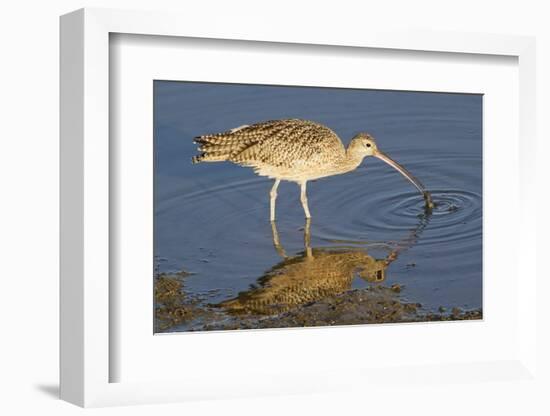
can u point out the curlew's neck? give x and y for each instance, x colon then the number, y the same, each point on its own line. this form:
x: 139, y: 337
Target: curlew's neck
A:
x: 350, y: 161
x: 342, y: 162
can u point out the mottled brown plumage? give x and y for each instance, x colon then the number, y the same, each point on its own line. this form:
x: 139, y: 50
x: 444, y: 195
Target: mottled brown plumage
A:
x: 292, y: 150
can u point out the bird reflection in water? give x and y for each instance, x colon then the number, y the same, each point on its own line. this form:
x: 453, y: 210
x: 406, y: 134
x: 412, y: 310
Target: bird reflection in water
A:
x: 313, y: 275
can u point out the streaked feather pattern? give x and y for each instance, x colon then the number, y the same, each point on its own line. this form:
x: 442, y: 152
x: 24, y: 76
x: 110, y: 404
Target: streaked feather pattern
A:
x: 290, y: 149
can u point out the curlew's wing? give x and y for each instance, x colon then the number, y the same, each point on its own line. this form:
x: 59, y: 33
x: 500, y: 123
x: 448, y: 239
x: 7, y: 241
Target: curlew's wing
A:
x: 287, y: 144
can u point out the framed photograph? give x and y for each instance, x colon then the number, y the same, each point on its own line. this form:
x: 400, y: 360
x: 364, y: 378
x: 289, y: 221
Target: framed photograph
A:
x: 230, y: 254
x: 236, y: 209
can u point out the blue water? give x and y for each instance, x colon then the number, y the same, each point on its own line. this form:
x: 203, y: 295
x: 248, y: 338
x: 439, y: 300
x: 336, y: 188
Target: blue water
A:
x: 212, y: 219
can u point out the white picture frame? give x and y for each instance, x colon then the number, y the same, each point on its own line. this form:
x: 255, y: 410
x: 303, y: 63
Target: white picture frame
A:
x: 86, y: 355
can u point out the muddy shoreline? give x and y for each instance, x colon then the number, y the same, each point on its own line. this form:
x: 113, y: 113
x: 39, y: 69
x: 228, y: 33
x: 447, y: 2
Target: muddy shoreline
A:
x: 177, y: 311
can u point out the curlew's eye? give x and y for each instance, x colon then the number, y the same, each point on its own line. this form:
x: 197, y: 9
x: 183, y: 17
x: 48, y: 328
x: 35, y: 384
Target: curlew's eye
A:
x: 368, y: 144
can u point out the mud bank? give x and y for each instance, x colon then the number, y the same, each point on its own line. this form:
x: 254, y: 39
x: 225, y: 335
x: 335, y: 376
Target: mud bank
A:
x: 175, y: 311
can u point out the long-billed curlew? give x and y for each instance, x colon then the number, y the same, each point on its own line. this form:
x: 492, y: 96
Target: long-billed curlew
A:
x: 294, y: 150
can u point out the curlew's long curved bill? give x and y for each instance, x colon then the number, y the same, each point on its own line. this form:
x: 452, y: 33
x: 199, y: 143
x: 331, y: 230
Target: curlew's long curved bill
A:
x: 382, y: 156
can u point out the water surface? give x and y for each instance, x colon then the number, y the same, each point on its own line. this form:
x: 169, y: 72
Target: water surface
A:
x: 212, y: 219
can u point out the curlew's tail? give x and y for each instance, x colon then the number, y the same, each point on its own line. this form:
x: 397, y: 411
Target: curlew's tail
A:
x: 197, y: 159
x: 206, y: 157
x: 209, y: 151
x: 221, y: 147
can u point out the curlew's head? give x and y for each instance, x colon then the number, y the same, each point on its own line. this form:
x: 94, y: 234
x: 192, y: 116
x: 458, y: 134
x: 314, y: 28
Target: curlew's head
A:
x: 363, y: 145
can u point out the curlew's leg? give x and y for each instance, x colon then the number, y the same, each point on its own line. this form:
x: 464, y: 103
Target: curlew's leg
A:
x: 303, y: 198
x: 273, y: 198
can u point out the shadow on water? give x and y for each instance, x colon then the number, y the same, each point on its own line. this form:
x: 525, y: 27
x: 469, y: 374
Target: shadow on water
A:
x: 314, y: 274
